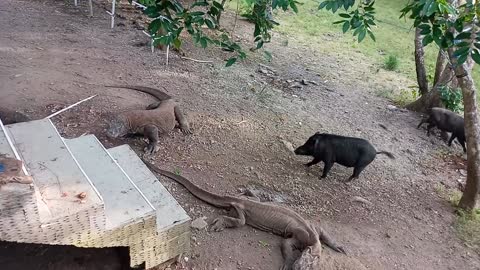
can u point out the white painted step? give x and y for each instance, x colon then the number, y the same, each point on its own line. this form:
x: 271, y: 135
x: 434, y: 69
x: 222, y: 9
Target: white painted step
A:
x: 169, y: 211
x: 124, y: 202
x: 57, y: 176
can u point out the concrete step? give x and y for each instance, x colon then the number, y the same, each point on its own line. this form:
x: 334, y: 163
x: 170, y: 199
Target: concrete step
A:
x: 17, y: 201
x: 58, y: 179
x: 124, y: 202
x: 172, y: 236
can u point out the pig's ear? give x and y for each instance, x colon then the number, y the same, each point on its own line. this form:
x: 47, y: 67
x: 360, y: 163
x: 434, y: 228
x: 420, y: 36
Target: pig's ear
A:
x: 317, y: 133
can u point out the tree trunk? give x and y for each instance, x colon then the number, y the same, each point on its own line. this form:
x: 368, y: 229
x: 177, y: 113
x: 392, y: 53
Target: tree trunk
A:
x: 420, y: 63
x: 472, y: 133
x: 432, y: 97
x: 440, y: 66
x: 220, y: 14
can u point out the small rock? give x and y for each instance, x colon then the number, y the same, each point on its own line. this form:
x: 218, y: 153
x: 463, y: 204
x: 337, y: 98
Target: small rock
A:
x: 361, y: 200
x: 288, y: 145
x: 304, y: 82
x: 462, y: 172
x: 296, y: 85
x: 199, y: 224
x: 82, y: 195
x: 391, y: 107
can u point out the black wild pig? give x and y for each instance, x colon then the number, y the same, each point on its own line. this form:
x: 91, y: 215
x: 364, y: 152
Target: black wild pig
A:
x: 447, y: 121
x: 346, y: 151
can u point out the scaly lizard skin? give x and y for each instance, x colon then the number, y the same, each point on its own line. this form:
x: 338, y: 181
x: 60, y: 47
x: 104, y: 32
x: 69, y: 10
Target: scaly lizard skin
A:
x: 299, y: 233
x: 158, y: 118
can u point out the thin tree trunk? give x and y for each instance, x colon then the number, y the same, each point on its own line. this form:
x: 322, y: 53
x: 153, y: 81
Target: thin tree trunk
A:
x: 440, y: 66
x: 220, y: 14
x: 432, y: 98
x: 472, y: 133
x: 420, y: 63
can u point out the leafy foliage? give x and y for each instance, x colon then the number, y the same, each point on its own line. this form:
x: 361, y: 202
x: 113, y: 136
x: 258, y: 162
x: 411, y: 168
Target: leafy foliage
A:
x: 442, y: 23
x: 391, y: 63
x: 359, y: 20
x: 447, y: 26
x: 171, y: 18
x: 451, y: 98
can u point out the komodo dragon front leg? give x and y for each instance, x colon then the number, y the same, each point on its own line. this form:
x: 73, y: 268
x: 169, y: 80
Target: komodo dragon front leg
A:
x: 223, y: 222
x: 150, y: 132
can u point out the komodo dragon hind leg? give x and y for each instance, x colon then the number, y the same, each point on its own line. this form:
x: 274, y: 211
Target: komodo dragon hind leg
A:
x: 151, y: 133
x: 223, y: 222
x: 182, y: 121
x: 325, y: 238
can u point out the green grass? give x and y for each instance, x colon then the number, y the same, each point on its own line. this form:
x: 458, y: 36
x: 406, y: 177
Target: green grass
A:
x: 391, y: 63
x: 467, y: 225
x: 394, y: 36
x: 468, y: 229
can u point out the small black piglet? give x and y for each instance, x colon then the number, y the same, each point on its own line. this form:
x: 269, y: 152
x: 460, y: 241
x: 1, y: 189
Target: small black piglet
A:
x: 346, y: 151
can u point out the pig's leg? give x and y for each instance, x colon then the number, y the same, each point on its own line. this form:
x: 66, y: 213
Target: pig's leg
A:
x: 326, y: 168
x: 429, y: 126
x: 356, y: 172
x: 451, y: 139
x: 313, y: 162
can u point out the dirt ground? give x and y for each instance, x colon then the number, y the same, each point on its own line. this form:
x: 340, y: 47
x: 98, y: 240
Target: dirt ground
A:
x: 52, y: 55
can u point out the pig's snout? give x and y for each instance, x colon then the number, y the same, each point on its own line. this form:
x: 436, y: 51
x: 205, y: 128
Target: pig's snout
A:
x: 302, y: 150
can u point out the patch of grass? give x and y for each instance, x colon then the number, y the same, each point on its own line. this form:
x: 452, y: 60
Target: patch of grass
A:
x: 391, y: 63
x: 451, y: 195
x: 467, y: 225
x: 468, y: 228
x: 401, y: 98
x: 314, y: 28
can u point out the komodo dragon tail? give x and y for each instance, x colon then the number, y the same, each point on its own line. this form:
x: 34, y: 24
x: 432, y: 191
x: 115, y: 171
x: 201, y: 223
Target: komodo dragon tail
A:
x: 388, y: 154
x: 160, y: 95
x: 208, y: 197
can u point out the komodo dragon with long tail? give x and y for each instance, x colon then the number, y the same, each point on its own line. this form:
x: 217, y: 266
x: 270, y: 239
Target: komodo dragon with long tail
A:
x: 159, y: 118
x: 299, y: 233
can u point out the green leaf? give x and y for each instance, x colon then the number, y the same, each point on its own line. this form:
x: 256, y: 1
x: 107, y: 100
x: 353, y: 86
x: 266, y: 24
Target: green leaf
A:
x: 344, y: 15
x: 337, y: 22
x: 197, y: 13
x: 209, y: 22
x: 461, y: 51
x: 231, y: 61
x: 154, y: 26
x: 372, y: 36
x: 293, y: 6
x: 203, y: 42
x: 346, y: 26
x: 151, y: 12
x: 361, y: 36
x: 217, y: 5
x: 199, y: 4
x: 323, y: 4
x: 462, y: 59
x: 463, y: 35
x: 177, y: 43
x: 427, y: 40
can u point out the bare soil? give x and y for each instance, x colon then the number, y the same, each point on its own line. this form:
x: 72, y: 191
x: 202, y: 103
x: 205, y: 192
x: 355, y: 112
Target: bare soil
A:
x: 52, y: 55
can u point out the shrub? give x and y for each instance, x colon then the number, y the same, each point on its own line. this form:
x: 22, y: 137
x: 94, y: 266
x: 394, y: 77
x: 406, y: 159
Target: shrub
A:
x: 391, y: 63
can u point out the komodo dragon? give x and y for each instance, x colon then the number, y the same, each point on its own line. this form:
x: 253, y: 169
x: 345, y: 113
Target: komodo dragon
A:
x: 159, y: 118
x: 279, y: 220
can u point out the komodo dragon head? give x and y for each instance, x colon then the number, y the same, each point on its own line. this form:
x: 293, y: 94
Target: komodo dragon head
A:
x: 117, y: 128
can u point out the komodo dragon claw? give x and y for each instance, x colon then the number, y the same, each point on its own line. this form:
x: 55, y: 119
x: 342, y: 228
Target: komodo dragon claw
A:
x: 217, y: 225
